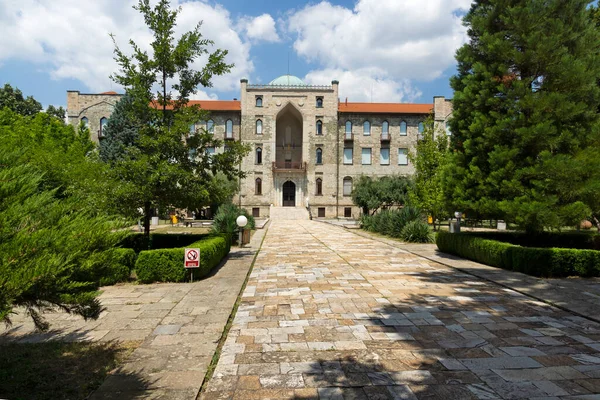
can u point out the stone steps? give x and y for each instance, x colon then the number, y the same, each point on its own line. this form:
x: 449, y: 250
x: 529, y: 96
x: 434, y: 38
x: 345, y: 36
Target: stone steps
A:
x: 288, y: 213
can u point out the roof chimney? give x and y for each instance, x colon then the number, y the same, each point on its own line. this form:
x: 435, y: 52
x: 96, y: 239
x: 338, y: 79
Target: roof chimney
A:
x: 346, y: 101
x: 234, y: 99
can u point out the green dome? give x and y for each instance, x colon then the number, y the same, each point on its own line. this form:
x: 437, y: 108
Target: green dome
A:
x: 287, y: 80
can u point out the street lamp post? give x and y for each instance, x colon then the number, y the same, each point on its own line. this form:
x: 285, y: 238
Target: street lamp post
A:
x: 241, y: 221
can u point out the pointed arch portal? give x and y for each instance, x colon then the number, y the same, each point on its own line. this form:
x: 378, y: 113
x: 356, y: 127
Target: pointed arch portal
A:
x: 289, y: 194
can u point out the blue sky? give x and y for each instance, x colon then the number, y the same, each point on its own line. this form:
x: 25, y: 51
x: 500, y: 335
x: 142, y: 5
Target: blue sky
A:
x: 379, y: 50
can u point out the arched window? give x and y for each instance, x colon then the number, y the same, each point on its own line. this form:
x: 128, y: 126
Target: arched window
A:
x: 347, y: 186
x: 259, y: 127
x: 319, y: 156
x: 103, y: 122
x: 366, y: 128
x: 258, y: 155
x: 448, y: 131
x: 319, y: 102
x: 385, y: 130
x: 258, y: 186
x: 319, y: 127
x: 210, y: 126
x: 258, y: 101
x: 319, y: 191
x: 421, y: 127
x: 229, y: 129
x: 403, y: 128
x: 348, y: 130
x: 85, y: 122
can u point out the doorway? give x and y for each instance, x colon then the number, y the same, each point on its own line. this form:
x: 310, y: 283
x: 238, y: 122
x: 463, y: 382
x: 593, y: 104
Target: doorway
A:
x: 289, y: 194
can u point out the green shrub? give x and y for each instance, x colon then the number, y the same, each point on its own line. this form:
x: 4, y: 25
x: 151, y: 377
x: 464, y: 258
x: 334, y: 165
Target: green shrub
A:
x: 166, y: 265
x: 224, y: 220
x: 391, y: 222
x: 119, y: 268
x: 417, y: 231
x: 568, y: 240
x: 544, y: 262
x: 138, y: 242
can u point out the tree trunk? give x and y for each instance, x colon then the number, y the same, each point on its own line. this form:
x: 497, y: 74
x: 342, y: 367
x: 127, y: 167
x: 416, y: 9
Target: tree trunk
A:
x: 147, y: 219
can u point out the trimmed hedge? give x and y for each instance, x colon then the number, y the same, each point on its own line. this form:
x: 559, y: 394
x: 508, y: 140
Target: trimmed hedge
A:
x: 138, y: 242
x: 565, y: 240
x: 543, y: 262
x: 166, y: 265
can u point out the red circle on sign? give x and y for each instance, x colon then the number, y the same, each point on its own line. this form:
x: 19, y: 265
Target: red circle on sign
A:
x: 192, y: 255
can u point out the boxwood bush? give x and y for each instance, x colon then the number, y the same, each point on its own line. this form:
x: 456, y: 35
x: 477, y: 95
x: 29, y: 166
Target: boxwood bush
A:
x: 166, y: 265
x: 537, y: 261
x: 139, y: 242
x: 567, y: 240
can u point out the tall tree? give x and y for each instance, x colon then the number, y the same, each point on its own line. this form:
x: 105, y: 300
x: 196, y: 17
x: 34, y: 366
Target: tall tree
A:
x: 14, y: 99
x: 372, y: 194
x: 429, y: 159
x: 168, y: 165
x: 525, y: 105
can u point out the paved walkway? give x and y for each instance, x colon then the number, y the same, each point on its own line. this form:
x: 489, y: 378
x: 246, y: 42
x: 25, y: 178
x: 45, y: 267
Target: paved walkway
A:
x: 180, y: 325
x: 578, y: 295
x: 333, y: 315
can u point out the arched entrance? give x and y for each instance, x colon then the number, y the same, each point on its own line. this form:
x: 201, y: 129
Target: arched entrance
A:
x: 288, y: 138
x: 289, y: 194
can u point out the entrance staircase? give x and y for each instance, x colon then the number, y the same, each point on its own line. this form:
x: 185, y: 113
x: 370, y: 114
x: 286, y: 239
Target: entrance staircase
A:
x: 289, y: 213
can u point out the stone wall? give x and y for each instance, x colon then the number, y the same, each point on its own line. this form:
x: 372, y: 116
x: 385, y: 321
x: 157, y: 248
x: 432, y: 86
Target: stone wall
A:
x: 94, y: 107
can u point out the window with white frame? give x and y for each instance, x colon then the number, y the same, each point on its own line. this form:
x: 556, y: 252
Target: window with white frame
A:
x: 319, y: 127
x: 347, y: 186
x: 210, y: 126
x: 348, y: 155
x: 103, y: 122
x: 259, y: 127
x: 384, y: 154
x: 348, y: 130
x: 421, y: 127
x: 366, y: 128
x: 319, y: 156
x: 403, y: 128
x: 448, y: 131
x: 229, y: 129
x: 192, y: 129
x: 258, y: 155
x: 210, y: 151
x: 402, y: 156
x: 385, y: 130
x: 366, y: 156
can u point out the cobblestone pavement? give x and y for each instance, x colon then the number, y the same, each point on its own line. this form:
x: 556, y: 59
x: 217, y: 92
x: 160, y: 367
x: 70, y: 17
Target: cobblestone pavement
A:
x: 330, y: 314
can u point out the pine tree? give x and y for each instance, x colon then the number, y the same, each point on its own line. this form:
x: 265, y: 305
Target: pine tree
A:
x: 168, y: 165
x: 525, y: 106
x: 119, y: 133
x: 430, y: 159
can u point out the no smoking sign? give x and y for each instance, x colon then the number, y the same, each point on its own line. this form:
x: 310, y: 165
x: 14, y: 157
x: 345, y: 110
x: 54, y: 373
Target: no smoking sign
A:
x: 191, y: 258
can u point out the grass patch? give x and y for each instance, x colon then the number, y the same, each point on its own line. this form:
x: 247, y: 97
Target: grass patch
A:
x: 57, y: 370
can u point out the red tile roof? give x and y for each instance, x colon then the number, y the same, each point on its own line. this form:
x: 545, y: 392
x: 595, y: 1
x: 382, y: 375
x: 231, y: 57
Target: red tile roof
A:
x: 217, y: 105
x: 111, y: 92
x: 385, y: 108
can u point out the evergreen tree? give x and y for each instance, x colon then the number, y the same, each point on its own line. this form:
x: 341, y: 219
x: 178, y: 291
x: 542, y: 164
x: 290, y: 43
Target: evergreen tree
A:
x: 525, y: 106
x: 168, y: 165
x: 429, y: 160
x: 120, y: 132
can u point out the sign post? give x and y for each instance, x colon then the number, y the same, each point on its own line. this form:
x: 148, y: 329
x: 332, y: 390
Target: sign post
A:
x: 191, y: 259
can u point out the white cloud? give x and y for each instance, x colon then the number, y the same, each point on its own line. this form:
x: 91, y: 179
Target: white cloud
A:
x: 384, y: 44
x: 261, y: 28
x: 70, y: 37
x: 367, y: 84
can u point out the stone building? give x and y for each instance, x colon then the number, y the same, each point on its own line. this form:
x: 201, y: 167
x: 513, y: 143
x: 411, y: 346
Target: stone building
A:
x: 308, y: 148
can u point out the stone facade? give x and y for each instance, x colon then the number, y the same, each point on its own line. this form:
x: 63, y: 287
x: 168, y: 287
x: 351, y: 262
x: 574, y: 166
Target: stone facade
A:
x: 290, y: 127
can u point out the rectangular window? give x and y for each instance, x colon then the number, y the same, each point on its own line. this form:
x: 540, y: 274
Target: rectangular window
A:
x: 347, y: 212
x: 348, y: 155
x: 210, y: 151
x: 256, y: 212
x: 402, y: 156
x: 366, y: 156
x: 385, y: 156
x: 321, y: 212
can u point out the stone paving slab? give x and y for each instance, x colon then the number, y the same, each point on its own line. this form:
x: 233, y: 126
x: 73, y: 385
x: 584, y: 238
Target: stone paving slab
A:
x: 328, y: 314
x: 578, y: 295
x: 180, y: 326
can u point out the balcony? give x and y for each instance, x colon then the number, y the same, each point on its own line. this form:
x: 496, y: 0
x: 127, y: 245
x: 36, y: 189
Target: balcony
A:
x: 289, y: 166
x: 385, y: 137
